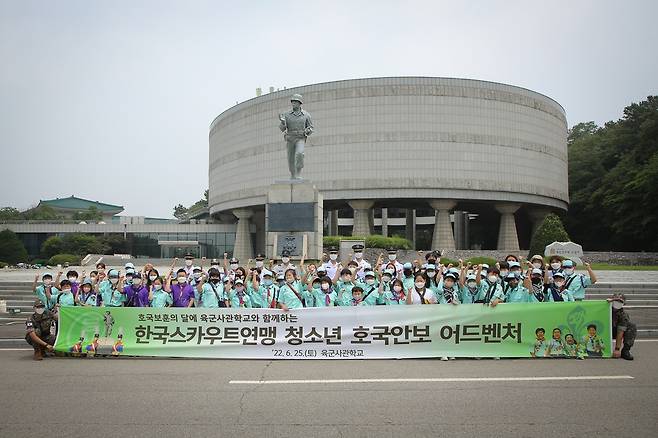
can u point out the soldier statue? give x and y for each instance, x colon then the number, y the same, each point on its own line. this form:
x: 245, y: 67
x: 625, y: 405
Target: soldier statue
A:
x: 296, y: 126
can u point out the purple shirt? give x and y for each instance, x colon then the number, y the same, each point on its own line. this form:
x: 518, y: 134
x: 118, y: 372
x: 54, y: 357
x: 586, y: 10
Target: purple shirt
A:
x: 182, y: 295
x: 136, y: 297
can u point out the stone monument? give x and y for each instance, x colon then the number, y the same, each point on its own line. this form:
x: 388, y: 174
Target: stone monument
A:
x: 294, y: 213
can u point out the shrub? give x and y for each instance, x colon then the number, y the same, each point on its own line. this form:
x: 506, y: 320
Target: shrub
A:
x: 374, y: 241
x: 62, y: 259
x: 52, y: 246
x: 3, y: 265
x: 11, y: 248
x: 551, y: 230
x: 482, y: 260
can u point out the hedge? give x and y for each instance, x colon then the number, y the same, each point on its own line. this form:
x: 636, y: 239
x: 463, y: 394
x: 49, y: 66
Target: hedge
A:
x: 373, y: 241
x: 62, y: 259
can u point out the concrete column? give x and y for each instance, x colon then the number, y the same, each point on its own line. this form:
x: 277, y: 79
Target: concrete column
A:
x: 259, y: 221
x: 410, y: 225
x: 361, y: 217
x: 508, y: 239
x: 242, y: 250
x: 385, y: 222
x: 443, y: 237
x: 537, y: 216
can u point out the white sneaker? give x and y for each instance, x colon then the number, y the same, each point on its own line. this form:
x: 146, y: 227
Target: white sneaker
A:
x: 451, y: 358
x: 444, y: 358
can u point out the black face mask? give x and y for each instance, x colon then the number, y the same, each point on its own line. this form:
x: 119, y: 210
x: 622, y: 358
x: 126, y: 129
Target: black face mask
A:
x: 407, y: 272
x: 536, y: 280
x: 214, y: 280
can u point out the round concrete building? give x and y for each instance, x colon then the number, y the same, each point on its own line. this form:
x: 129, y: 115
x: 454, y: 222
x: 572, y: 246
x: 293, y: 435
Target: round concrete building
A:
x: 449, y: 163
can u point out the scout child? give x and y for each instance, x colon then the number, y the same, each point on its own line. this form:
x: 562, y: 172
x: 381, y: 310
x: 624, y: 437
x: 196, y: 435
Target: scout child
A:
x: 577, y: 283
x: 419, y: 293
x: 238, y: 296
x: 157, y: 296
x: 540, y: 346
x: 64, y: 298
x: 555, y: 345
x: 87, y: 296
x: 46, y: 289
x: 592, y: 343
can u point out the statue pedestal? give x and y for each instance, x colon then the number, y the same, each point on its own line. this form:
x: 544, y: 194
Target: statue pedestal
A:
x: 293, y: 220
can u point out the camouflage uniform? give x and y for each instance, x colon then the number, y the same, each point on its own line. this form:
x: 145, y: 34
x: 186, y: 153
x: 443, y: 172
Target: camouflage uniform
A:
x: 45, y: 327
x: 621, y: 321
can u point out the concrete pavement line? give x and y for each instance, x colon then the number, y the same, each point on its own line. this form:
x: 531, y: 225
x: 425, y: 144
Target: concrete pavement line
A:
x: 411, y: 380
x: 16, y: 349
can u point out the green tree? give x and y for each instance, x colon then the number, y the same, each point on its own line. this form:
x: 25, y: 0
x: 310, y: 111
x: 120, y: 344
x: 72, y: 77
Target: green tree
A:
x: 551, y: 230
x: 53, y: 245
x: 42, y: 213
x: 613, y: 181
x: 10, y: 214
x: 115, y: 244
x: 180, y: 212
x: 91, y: 214
x: 83, y: 244
x: 11, y: 248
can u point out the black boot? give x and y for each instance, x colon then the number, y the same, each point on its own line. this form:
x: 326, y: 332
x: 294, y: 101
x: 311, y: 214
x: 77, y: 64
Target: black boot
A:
x: 626, y: 353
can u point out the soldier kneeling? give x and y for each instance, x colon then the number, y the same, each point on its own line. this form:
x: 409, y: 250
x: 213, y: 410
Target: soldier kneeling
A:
x: 623, y: 329
x: 41, y: 330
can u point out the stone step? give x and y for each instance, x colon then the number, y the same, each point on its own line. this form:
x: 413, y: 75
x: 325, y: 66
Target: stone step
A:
x: 625, y: 285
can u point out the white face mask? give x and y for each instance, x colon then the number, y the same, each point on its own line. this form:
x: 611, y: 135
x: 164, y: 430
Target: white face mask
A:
x: 503, y: 273
x: 182, y: 280
x: 324, y: 286
x: 568, y: 271
x: 537, y: 265
x: 420, y: 284
x: 73, y: 279
x: 239, y: 289
x: 188, y: 262
x: 39, y: 310
x: 152, y: 277
x: 397, y: 288
x: 114, y: 280
x: 137, y: 281
x: 386, y: 279
x: 333, y: 256
x: 617, y: 305
x: 358, y: 255
x: 197, y: 275
x: 66, y: 291
x: 392, y: 257
x: 285, y: 260
x: 157, y: 286
x: 471, y: 284
x: 559, y: 283
x: 370, y: 281
x: 492, y: 278
x: 47, y: 282
x: 556, y: 266
x: 234, y: 266
x: 259, y: 263
x: 431, y: 274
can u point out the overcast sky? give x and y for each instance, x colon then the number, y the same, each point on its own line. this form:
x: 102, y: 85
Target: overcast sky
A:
x: 112, y: 100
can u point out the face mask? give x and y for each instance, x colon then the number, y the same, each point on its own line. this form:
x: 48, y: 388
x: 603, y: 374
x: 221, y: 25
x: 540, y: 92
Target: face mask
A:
x: 420, y: 284
x: 358, y: 255
x: 333, y: 256
x: 556, y: 266
x: 66, y: 291
x: 536, y: 280
x: 259, y: 264
x: 214, y: 280
x: 196, y: 275
x: 352, y: 270
x: 152, y: 277
x: 285, y: 260
x: 325, y: 286
x: 188, y: 262
x: 47, y: 282
x: 114, y: 280
x: 431, y: 274
x: 407, y: 272
x: 281, y: 282
x: 316, y: 286
x: 93, y: 278
x: 39, y: 310
x: 386, y: 279
x: 346, y: 279
x: 392, y: 257
x: 568, y: 271
x: 73, y: 279
x: 182, y: 279
x: 503, y: 273
x: 129, y: 280
x: 617, y: 305
x: 471, y: 284
x: 239, y: 289
x: 537, y: 265
x: 157, y: 286
x: 370, y: 281
x: 137, y: 281
x: 267, y: 282
x: 397, y: 288
x: 492, y: 278
x: 234, y: 266
x: 559, y: 283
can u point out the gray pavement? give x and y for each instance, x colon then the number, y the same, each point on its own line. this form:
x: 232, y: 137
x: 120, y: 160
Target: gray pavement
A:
x: 167, y: 397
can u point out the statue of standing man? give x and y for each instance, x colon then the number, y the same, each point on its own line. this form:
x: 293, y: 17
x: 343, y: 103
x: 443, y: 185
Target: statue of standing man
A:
x: 296, y: 126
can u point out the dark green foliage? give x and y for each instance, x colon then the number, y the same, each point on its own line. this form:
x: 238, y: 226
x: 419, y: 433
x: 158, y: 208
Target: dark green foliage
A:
x: 551, y: 230
x: 12, y: 250
x: 63, y: 259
